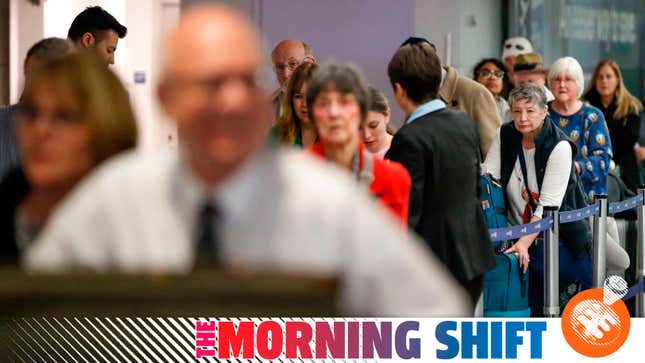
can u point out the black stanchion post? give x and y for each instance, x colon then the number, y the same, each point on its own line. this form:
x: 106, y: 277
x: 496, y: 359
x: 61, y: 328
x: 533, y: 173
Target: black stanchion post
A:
x: 551, y: 265
x: 600, y: 243
x: 640, y: 253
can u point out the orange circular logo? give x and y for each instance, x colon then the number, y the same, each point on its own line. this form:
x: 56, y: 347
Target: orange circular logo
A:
x: 595, y: 323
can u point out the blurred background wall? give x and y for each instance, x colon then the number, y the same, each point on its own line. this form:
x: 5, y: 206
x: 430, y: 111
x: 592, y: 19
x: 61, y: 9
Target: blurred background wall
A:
x: 365, y: 32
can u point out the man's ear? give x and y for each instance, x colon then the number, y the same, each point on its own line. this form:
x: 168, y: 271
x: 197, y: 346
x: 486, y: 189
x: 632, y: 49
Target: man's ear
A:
x: 87, y: 40
x: 310, y: 59
x: 399, y: 92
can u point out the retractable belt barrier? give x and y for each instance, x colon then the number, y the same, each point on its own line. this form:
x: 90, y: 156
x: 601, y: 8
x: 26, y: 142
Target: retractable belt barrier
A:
x: 599, y: 217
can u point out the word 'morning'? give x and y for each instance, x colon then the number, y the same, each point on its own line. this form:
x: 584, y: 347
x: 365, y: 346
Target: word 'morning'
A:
x: 293, y: 340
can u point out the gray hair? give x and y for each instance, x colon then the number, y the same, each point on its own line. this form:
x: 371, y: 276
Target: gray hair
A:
x: 531, y: 93
x: 309, y: 51
x: 344, y: 78
x: 570, y: 66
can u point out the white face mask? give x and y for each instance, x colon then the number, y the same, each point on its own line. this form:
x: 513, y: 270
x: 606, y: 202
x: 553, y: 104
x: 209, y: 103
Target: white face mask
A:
x: 516, y: 46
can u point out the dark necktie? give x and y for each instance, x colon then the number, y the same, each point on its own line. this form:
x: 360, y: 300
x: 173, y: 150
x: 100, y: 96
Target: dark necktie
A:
x: 207, y: 253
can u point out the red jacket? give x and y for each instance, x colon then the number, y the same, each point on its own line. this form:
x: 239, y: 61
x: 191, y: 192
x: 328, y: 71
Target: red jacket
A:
x: 391, y: 182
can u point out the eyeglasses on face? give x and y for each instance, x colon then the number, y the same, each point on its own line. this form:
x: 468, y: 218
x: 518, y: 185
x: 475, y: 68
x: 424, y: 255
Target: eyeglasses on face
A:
x: 29, y: 114
x: 486, y: 73
x: 291, y: 65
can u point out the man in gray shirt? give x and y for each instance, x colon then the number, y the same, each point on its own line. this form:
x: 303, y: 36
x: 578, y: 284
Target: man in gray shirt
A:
x: 227, y: 199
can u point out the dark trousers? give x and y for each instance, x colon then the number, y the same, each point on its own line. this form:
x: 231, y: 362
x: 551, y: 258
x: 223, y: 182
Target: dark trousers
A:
x: 576, y: 273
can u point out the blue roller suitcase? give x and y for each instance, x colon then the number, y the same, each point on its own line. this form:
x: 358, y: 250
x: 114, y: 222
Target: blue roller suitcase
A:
x: 505, y: 286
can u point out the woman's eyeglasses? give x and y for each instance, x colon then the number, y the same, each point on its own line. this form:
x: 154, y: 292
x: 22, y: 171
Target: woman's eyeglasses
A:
x: 486, y: 73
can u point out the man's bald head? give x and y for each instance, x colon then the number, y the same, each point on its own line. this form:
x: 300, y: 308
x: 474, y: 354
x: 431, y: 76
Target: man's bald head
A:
x: 209, y: 88
x: 287, y: 55
x: 201, y: 35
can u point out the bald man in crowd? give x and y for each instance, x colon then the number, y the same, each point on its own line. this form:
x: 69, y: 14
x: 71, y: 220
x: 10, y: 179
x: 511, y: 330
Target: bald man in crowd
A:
x: 286, y: 56
x: 227, y: 200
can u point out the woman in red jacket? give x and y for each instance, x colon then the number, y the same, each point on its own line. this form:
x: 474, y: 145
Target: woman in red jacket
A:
x: 338, y: 98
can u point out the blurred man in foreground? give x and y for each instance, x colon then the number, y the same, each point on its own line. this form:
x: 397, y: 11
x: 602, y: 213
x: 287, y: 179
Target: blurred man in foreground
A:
x: 227, y: 201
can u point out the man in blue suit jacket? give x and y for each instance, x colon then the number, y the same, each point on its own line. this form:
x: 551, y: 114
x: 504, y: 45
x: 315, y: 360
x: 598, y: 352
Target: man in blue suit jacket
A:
x: 440, y: 149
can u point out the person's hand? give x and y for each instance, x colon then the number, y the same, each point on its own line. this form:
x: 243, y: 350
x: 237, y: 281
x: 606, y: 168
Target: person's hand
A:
x: 640, y: 153
x: 525, y: 194
x: 521, y: 250
x: 578, y: 168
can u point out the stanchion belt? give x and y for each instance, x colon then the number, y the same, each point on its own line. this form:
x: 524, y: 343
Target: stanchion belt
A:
x: 502, y: 234
x: 579, y: 214
x: 617, y: 207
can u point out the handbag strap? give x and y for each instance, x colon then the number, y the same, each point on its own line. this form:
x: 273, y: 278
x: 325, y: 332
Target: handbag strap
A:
x: 365, y: 172
x: 520, y: 154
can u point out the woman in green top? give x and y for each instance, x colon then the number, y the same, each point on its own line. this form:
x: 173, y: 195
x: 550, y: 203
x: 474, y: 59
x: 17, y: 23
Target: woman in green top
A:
x: 294, y: 126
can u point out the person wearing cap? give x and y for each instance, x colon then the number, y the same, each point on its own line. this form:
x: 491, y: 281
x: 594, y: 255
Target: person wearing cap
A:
x: 528, y: 68
x: 511, y: 49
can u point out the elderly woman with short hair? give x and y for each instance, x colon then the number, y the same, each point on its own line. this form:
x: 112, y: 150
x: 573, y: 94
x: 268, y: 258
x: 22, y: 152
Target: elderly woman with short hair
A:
x: 549, y: 179
x: 584, y: 124
x: 338, y: 101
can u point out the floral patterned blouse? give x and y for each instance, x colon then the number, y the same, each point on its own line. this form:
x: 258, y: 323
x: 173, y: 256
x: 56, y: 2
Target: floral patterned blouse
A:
x: 588, y: 130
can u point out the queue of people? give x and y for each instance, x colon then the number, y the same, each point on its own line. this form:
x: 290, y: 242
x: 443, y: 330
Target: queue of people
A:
x: 313, y: 178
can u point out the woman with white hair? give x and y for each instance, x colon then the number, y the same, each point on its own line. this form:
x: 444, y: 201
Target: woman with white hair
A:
x: 584, y: 124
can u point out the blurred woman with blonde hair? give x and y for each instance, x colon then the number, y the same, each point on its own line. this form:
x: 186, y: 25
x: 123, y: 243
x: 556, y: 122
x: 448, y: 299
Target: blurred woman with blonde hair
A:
x: 74, y: 114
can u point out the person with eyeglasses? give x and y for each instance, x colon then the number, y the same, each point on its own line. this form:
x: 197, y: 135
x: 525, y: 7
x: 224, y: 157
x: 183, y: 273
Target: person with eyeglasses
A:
x: 227, y: 202
x: 490, y: 73
x: 74, y: 114
x: 286, y: 57
x: 41, y: 52
x: 584, y: 124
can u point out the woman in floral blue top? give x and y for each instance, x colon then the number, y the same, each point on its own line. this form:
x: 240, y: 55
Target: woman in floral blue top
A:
x: 584, y: 124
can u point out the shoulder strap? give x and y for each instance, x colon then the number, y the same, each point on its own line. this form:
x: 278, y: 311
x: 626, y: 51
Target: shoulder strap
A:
x: 520, y: 155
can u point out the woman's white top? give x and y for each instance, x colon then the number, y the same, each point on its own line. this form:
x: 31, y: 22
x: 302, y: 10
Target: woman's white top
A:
x: 554, y: 184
